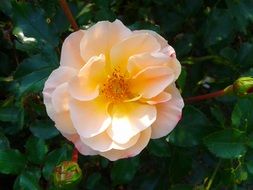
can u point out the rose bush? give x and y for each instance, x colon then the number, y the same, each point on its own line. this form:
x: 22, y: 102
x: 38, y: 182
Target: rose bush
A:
x: 114, y: 90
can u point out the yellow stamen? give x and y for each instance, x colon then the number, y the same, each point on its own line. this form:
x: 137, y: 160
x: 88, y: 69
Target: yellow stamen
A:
x: 116, y: 87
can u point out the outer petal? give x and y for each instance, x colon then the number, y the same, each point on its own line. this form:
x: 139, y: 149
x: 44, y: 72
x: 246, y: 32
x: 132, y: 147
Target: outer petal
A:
x: 90, y: 118
x: 58, y: 78
x: 151, y: 81
x: 134, y: 44
x: 129, y: 119
x: 63, y: 122
x: 102, y: 142
x: 60, y: 98
x: 158, y: 37
x: 70, y: 53
x: 132, y: 151
x: 85, y: 86
x: 168, y: 114
x: 173, y: 63
x: 101, y: 37
x: 138, y: 62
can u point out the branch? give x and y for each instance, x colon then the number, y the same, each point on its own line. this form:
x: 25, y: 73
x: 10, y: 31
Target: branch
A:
x: 69, y: 15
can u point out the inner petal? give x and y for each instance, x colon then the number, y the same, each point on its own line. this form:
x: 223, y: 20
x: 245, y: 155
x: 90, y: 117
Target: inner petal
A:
x: 130, y: 118
x: 90, y: 118
x: 85, y: 86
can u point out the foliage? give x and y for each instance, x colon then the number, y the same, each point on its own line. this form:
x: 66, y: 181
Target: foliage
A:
x: 211, y: 148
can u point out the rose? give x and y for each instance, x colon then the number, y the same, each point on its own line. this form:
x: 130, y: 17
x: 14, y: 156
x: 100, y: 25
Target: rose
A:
x: 114, y: 90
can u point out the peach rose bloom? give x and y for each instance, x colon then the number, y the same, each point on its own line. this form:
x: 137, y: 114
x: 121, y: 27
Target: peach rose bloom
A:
x: 114, y: 90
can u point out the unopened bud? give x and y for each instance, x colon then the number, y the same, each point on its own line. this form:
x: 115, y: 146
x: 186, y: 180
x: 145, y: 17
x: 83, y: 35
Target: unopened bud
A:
x: 243, y: 86
x: 67, y: 174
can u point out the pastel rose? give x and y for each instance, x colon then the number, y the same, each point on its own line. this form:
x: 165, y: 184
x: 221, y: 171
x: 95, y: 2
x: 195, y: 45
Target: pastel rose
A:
x: 114, y: 90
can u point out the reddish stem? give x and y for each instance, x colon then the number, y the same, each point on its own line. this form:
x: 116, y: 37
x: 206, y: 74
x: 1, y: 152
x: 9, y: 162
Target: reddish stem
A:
x: 69, y: 15
x: 205, y: 96
x: 75, y: 155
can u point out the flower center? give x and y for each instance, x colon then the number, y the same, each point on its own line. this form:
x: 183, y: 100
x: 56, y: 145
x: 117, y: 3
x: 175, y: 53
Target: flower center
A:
x: 116, y: 88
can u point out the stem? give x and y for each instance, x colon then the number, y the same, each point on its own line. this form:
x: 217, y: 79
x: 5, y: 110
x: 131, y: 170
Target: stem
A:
x: 69, y: 15
x: 210, y: 95
x: 213, y: 175
x: 205, y: 96
x: 75, y: 155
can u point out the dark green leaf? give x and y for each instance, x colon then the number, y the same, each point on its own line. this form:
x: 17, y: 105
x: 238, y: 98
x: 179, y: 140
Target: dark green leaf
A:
x: 9, y: 114
x: 28, y: 180
x: 44, y: 129
x: 31, y: 25
x: 4, y: 142
x: 36, y: 150
x: 191, y: 129
x: 229, y: 143
x: 123, y: 171
x: 242, y: 115
x: 93, y: 180
x: 159, y: 147
x: 32, y: 73
x: 11, y: 161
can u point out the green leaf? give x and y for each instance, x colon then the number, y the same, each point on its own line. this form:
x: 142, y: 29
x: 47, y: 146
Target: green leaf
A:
x: 249, y: 165
x: 53, y: 159
x: 217, y: 30
x: 11, y: 161
x: 9, y: 114
x: 218, y: 114
x: 32, y: 73
x: 36, y: 150
x: 182, y: 79
x: 242, y: 11
x: 191, y: 129
x: 31, y: 25
x: 28, y: 180
x: 245, y: 55
x: 123, y: 171
x: 93, y: 180
x: 228, y: 143
x: 44, y: 129
x: 159, y: 147
x: 242, y: 115
x: 4, y: 142
x: 184, y: 45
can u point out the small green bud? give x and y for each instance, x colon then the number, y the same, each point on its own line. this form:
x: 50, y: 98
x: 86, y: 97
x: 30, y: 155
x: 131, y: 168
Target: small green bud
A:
x: 243, y: 86
x: 67, y: 174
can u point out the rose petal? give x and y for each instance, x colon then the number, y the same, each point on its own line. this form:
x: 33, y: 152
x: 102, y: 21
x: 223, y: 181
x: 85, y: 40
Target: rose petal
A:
x: 90, y: 118
x: 151, y: 81
x: 132, y: 151
x: 138, y: 62
x: 134, y: 44
x: 70, y: 53
x: 85, y: 86
x: 168, y: 114
x: 100, y: 38
x: 63, y: 122
x: 158, y: 37
x: 160, y: 98
x: 128, y: 119
x: 173, y: 63
x: 60, y: 98
x: 56, y: 78
x: 102, y: 142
